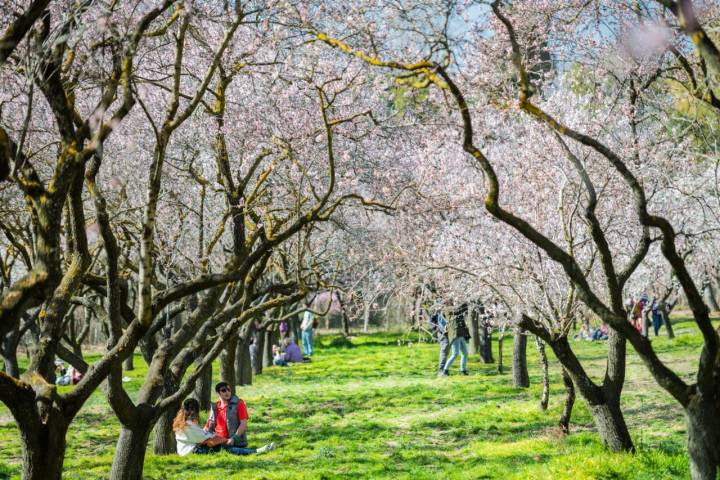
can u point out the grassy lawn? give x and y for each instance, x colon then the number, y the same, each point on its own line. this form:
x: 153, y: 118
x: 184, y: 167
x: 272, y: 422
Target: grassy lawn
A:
x: 377, y: 410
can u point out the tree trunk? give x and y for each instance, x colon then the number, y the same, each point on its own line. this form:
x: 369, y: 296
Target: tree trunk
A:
x: 709, y: 294
x: 366, y: 315
x: 611, y: 426
x: 501, y: 337
x: 164, y: 437
x: 569, y: 402
x: 604, y: 402
x: 9, y: 354
x: 243, y: 367
x: 703, y: 425
x: 267, y: 356
x: 645, y: 319
x: 294, y: 324
x: 129, y: 458
x: 475, y: 341
x: 486, y: 355
x: 129, y: 364
x: 665, y: 312
x: 520, y: 376
x: 257, y: 363
x: 43, y: 448
x: 345, y: 323
x: 545, y: 397
x: 227, y: 363
x: 203, y: 386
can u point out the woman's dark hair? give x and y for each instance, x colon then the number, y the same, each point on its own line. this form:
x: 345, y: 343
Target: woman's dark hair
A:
x: 190, y: 404
x: 190, y: 411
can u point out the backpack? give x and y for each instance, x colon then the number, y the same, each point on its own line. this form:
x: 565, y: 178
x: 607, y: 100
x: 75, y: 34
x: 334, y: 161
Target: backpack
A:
x: 462, y: 328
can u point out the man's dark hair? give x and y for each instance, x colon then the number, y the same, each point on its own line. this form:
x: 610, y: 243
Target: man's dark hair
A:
x: 221, y: 385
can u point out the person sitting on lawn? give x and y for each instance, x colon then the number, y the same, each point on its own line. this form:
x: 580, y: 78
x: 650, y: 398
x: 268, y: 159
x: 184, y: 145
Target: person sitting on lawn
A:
x: 289, y: 353
x: 191, y: 438
x: 602, y: 332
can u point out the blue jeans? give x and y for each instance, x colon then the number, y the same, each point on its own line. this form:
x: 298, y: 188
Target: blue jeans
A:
x: 307, y: 341
x: 204, y: 449
x: 444, y: 349
x: 280, y: 362
x: 459, y: 345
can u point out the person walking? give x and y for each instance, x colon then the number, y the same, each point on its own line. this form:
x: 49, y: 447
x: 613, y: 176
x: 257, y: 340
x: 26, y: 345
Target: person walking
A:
x: 438, y: 326
x: 458, y: 335
x: 307, y: 331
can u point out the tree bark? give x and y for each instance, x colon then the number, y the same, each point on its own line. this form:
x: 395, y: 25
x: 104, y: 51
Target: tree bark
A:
x: 203, y: 386
x: 267, y: 356
x: 569, y: 403
x: 294, y: 324
x: 129, y: 363
x: 709, y: 293
x: 666, y: 321
x: 164, y: 437
x: 257, y: 359
x: 611, y: 426
x: 604, y: 402
x: 9, y: 354
x: 366, y: 315
x: 520, y: 376
x: 227, y: 363
x: 545, y: 397
x: 130, y: 451
x: 243, y: 368
x: 501, y: 337
x: 486, y: 355
x: 703, y: 424
x: 475, y: 342
x: 43, y: 449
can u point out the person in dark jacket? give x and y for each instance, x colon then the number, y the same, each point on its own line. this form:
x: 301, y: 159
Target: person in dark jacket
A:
x: 458, y: 335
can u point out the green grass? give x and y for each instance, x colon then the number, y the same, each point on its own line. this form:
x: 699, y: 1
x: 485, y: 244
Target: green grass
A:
x: 376, y: 410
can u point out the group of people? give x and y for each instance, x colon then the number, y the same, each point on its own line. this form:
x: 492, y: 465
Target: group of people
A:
x: 288, y: 351
x: 226, y: 426
x: 592, y: 334
x: 225, y: 429
x: 66, y: 376
x: 452, y: 334
x: 641, y: 307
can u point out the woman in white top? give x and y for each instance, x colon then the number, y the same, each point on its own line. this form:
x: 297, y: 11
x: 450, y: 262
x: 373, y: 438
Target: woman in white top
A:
x: 191, y: 438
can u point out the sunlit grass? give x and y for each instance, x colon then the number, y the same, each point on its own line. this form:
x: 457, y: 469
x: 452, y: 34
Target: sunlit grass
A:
x: 376, y: 410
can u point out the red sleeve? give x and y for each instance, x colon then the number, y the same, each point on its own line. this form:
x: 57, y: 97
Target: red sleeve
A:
x: 242, y: 411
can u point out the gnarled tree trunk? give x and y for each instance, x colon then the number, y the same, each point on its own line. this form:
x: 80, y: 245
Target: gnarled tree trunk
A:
x: 43, y: 447
x: 702, y: 417
x: 131, y: 446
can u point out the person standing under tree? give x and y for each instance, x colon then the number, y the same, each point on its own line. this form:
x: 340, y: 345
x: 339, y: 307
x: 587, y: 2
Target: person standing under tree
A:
x: 438, y: 325
x: 458, y: 334
x: 307, y: 327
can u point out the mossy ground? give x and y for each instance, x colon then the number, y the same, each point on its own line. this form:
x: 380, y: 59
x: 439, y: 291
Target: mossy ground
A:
x: 377, y: 410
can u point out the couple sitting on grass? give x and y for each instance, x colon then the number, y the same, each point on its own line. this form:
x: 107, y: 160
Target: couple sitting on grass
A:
x: 225, y: 428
